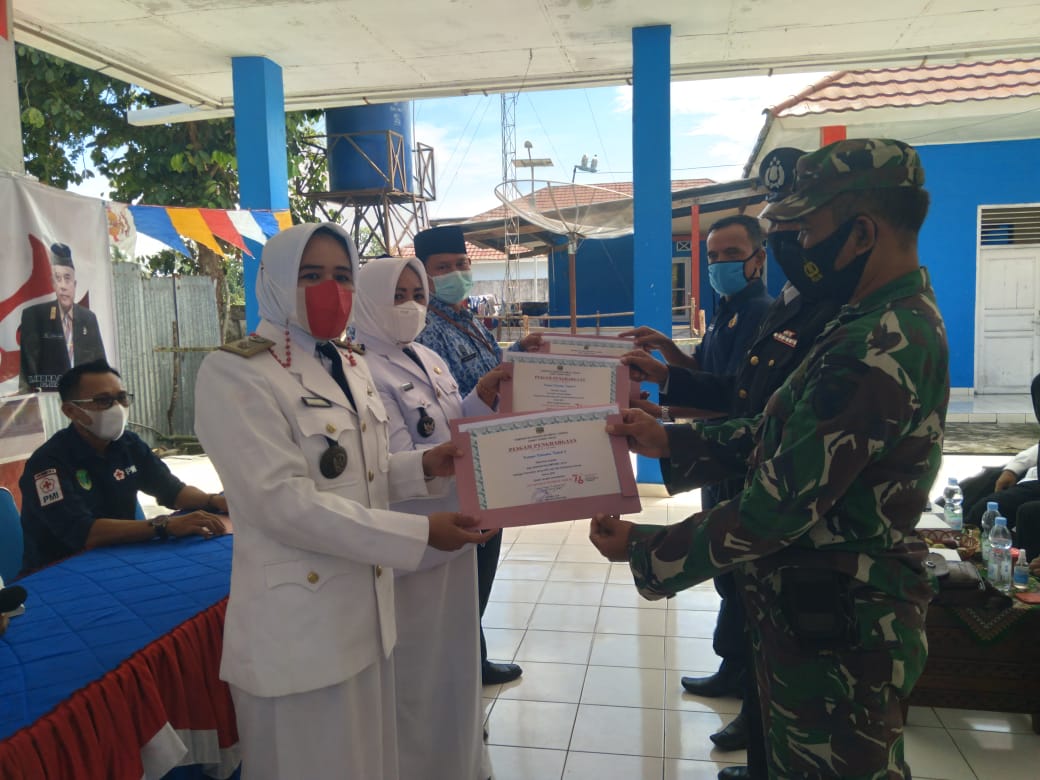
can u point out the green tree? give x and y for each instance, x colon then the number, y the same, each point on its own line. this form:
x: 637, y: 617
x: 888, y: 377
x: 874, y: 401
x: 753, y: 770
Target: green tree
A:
x: 74, y: 127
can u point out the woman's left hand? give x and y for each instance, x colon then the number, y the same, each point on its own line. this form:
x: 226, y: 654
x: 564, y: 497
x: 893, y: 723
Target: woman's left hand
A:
x: 439, y: 461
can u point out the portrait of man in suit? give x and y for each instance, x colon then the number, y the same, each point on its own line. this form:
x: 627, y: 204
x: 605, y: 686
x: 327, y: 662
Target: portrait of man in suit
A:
x: 57, y: 335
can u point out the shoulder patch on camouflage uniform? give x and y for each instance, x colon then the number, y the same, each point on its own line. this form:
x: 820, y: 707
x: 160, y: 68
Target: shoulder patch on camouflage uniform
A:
x: 344, y: 344
x: 249, y: 346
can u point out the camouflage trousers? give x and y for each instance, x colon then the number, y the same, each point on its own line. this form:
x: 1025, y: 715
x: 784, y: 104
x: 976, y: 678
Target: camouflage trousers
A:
x: 836, y: 713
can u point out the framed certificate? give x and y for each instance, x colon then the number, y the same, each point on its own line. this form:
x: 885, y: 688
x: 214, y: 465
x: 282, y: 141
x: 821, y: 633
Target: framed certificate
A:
x: 588, y: 346
x: 540, y: 381
x: 543, y: 467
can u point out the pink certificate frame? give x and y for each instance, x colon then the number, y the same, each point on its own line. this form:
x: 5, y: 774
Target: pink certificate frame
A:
x: 625, y: 502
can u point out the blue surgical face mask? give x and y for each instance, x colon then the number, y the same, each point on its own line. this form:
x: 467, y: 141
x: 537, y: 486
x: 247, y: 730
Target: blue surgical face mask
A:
x: 452, y: 288
x: 727, y: 278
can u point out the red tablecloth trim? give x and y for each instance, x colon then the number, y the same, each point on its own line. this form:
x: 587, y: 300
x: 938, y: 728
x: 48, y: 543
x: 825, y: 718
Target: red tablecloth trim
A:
x: 174, y: 680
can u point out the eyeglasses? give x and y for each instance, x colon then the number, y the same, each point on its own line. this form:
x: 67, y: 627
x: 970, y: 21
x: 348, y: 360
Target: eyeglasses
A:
x: 106, y: 401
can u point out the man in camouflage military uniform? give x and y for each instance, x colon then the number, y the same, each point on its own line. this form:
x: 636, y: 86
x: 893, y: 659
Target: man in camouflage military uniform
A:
x: 822, y: 538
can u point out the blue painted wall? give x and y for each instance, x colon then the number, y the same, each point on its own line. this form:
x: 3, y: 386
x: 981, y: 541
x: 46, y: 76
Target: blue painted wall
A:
x: 604, y: 274
x: 960, y: 178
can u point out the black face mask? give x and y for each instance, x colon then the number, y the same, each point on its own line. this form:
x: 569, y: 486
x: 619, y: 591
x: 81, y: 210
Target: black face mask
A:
x: 811, y: 271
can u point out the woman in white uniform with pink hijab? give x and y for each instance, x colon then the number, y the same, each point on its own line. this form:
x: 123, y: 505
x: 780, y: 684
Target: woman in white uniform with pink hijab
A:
x: 437, y: 660
x: 297, y: 432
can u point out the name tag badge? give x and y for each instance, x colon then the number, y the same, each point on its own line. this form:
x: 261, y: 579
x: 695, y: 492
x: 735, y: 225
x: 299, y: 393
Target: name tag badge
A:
x: 469, y: 357
x: 316, y: 401
x: 407, y: 386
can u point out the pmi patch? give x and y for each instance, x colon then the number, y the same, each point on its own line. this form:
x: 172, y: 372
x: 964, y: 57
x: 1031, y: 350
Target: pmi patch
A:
x: 48, y: 487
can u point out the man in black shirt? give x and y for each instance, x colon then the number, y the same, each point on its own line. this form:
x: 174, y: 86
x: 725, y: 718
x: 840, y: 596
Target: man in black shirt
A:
x: 79, y: 490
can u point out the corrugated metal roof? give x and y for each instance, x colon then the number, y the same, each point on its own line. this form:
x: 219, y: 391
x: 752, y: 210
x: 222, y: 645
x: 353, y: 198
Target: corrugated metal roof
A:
x: 859, y: 90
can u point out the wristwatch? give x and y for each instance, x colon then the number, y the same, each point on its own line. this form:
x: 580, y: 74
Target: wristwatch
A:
x: 159, y: 525
x: 666, y: 414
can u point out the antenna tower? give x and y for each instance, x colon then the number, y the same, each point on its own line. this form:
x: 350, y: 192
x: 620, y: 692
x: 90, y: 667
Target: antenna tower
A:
x: 511, y: 223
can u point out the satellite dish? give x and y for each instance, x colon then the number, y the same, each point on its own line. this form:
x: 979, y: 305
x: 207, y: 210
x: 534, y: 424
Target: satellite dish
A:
x: 577, y: 211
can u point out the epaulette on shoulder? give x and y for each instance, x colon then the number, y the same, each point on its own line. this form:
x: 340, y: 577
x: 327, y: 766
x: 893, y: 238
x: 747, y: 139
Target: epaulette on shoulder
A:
x: 344, y: 344
x: 248, y: 347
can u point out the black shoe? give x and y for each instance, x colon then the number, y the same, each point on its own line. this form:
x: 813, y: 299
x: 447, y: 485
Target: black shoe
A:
x: 721, y: 683
x: 497, y: 674
x: 733, y: 737
x: 734, y: 773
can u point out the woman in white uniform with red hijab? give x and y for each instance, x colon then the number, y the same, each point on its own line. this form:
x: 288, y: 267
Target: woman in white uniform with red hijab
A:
x: 437, y: 660
x: 299, y: 436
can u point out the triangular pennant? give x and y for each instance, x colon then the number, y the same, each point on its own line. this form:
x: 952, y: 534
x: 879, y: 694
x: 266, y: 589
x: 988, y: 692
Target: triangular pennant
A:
x: 220, y: 223
x: 284, y: 219
x: 246, y: 225
x: 267, y: 222
x: 190, y: 224
x: 153, y: 221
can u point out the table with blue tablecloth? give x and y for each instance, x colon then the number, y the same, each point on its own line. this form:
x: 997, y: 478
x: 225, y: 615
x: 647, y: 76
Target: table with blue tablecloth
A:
x: 112, y: 672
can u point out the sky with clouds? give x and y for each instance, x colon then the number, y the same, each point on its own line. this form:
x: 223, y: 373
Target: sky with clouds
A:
x: 714, y: 127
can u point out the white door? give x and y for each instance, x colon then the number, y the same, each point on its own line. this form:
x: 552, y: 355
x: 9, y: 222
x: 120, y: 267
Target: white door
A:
x: 1009, y: 318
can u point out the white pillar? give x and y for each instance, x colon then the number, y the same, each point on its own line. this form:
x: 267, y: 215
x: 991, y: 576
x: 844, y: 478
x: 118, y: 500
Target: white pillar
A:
x: 10, y: 123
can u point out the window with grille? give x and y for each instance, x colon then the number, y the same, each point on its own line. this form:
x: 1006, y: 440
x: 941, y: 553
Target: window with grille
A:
x: 1010, y: 225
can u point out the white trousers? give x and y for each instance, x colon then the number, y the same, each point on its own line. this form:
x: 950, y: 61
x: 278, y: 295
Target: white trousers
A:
x: 343, y: 732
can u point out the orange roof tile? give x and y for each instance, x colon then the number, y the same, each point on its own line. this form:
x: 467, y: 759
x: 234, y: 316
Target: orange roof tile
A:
x: 859, y: 90
x: 565, y: 195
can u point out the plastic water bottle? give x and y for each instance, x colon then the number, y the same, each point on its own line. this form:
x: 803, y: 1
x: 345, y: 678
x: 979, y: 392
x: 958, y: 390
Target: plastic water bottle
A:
x: 1000, y: 555
x: 953, y: 509
x: 991, y: 513
x: 1020, y: 578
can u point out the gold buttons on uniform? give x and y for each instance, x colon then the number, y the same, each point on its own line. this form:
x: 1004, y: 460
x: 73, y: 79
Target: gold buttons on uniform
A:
x: 370, y: 390
x: 371, y: 476
x: 330, y: 428
x: 364, y: 427
x: 436, y: 370
x: 313, y: 577
x: 379, y: 571
x: 742, y: 393
x: 438, y: 393
x: 771, y: 363
x: 754, y: 360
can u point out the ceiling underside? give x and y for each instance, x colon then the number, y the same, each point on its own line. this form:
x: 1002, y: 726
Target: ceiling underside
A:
x: 356, y: 51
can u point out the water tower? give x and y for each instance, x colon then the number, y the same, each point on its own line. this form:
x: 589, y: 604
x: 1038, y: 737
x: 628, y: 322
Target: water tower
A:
x: 374, y: 169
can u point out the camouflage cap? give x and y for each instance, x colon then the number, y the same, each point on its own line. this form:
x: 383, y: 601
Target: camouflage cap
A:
x: 847, y: 166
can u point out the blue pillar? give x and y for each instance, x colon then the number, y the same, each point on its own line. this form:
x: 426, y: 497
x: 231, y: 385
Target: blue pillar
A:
x: 652, y: 189
x: 263, y: 179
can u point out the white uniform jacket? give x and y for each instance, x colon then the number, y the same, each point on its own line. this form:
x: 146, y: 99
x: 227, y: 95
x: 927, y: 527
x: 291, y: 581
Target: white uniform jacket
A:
x: 437, y: 660
x: 312, y: 595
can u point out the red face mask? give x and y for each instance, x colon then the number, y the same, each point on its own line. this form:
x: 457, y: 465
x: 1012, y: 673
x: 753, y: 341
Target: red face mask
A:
x: 328, y: 308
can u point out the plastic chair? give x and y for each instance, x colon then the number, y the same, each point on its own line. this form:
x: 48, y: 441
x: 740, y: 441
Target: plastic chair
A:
x: 11, y: 543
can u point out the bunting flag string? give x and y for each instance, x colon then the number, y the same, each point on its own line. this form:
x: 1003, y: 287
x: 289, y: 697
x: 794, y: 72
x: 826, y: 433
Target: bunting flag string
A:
x: 170, y: 225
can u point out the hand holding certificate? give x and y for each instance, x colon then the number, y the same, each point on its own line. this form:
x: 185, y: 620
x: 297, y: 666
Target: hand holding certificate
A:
x: 543, y: 467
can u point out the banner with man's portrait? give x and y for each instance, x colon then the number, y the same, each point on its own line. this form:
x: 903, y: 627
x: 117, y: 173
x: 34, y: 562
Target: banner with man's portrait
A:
x: 56, y: 307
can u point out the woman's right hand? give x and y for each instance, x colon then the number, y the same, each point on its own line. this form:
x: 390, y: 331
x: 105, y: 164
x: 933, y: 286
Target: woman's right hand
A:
x: 452, y: 530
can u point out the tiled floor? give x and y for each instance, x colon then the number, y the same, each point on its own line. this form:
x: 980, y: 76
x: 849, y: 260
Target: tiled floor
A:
x: 600, y: 697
